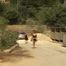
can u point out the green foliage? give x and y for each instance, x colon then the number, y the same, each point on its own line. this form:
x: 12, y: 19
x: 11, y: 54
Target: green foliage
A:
x: 3, y: 21
x: 50, y: 3
x: 12, y: 16
x: 22, y: 10
x: 13, y: 2
x: 62, y: 1
x: 2, y: 8
x: 61, y: 18
x: 48, y: 15
x: 7, y: 39
x: 28, y: 8
x: 52, y: 16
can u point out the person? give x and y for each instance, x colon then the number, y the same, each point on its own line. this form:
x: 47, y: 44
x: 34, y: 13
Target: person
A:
x: 26, y: 38
x: 34, y: 38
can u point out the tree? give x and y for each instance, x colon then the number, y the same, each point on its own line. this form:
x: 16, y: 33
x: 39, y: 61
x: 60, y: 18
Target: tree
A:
x: 13, y: 2
x: 28, y: 8
x: 49, y: 15
x: 2, y: 9
x: 62, y: 1
x: 61, y: 18
x: 12, y: 16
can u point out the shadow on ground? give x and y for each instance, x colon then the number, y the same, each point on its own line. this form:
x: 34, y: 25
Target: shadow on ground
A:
x: 15, y: 55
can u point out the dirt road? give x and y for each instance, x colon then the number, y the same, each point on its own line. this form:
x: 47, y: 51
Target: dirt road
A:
x: 46, y: 53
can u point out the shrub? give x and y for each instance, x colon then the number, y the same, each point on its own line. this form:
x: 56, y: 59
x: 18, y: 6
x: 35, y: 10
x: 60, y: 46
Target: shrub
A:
x: 3, y: 21
x: 7, y: 39
x: 12, y: 16
x: 2, y: 9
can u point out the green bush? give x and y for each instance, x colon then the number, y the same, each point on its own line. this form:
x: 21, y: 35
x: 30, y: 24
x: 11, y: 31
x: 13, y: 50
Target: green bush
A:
x: 3, y: 21
x: 12, y: 16
x: 51, y: 16
x: 2, y: 9
x: 7, y: 39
